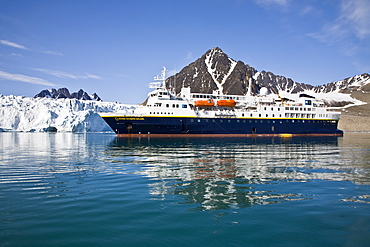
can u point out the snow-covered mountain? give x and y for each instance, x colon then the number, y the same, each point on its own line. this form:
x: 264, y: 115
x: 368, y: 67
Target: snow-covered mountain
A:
x: 217, y: 71
x: 19, y: 113
x: 357, y: 82
x: 63, y: 93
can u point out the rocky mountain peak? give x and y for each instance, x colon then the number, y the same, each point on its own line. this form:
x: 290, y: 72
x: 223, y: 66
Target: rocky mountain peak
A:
x: 63, y: 93
x: 215, y: 70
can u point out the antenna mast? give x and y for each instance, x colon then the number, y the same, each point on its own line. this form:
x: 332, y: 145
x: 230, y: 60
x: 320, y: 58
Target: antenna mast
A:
x: 160, y: 81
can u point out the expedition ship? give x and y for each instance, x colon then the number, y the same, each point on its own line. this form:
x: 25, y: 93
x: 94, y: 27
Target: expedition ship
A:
x: 166, y: 114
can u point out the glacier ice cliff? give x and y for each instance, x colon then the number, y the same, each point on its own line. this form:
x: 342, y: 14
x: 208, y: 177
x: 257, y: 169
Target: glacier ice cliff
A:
x: 20, y: 113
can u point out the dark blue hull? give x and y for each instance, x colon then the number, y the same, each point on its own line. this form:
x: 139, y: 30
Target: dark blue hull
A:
x: 218, y: 126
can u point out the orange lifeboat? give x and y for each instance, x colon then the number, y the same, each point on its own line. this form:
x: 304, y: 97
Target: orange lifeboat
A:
x: 204, y: 103
x: 226, y: 103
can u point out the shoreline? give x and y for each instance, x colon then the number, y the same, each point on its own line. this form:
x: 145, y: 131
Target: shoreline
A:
x: 350, y: 123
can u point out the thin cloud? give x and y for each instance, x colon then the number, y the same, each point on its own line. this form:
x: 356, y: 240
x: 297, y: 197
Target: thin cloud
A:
x: 23, y: 78
x: 65, y: 75
x: 90, y: 76
x: 56, y: 53
x: 18, y: 46
x: 353, y: 20
x: 306, y: 10
x: 356, y: 14
x: 16, y: 54
x: 189, y: 56
x: 12, y: 44
x: 272, y: 2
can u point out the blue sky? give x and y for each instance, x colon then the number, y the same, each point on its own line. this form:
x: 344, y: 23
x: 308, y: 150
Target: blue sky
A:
x: 115, y: 48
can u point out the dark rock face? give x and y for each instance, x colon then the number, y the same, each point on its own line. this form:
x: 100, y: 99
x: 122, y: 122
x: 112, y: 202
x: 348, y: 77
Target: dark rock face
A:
x: 63, y: 93
x: 81, y: 94
x: 276, y: 82
x: 96, y: 97
x: 216, y: 71
x: 51, y: 129
x: 44, y: 94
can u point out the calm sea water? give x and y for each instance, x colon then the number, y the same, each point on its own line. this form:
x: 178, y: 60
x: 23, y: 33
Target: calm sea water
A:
x: 69, y: 189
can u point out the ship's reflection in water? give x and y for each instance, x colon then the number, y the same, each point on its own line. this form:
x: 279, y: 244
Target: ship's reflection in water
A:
x: 228, y: 173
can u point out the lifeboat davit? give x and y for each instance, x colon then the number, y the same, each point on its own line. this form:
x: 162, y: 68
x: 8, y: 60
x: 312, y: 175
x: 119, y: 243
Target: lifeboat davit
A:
x: 226, y: 103
x: 204, y: 103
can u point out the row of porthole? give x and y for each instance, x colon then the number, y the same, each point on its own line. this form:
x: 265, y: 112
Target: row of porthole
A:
x: 161, y: 113
x: 260, y: 115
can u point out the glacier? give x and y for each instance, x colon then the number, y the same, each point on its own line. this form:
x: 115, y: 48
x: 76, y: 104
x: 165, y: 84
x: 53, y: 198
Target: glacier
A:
x: 20, y: 113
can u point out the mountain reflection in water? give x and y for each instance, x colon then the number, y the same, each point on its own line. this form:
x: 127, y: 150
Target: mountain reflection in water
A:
x: 223, y: 173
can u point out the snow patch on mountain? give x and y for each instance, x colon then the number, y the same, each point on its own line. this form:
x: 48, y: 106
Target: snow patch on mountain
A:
x: 212, y: 61
x: 232, y: 67
x: 328, y: 98
x: 21, y: 113
x: 212, y: 70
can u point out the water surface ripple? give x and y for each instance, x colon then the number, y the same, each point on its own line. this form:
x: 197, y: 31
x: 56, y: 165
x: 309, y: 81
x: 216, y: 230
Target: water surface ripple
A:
x: 64, y: 189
